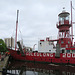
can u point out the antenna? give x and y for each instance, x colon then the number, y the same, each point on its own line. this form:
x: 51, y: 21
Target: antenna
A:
x: 71, y: 24
x: 17, y: 14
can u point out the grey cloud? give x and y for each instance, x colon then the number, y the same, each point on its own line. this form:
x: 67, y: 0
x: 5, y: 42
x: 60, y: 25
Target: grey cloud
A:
x: 37, y: 18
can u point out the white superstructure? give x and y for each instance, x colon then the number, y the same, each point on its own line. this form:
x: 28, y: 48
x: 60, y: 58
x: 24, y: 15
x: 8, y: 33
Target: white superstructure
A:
x: 46, y: 46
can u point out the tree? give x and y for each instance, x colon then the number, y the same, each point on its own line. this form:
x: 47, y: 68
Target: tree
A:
x: 3, y: 47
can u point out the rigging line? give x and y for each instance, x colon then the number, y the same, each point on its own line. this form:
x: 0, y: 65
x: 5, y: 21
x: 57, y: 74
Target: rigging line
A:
x: 73, y: 7
x: 21, y: 34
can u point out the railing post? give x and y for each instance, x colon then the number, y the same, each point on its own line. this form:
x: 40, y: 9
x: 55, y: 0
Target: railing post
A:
x: 4, y: 71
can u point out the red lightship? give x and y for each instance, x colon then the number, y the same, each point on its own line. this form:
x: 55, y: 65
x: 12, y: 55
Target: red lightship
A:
x: 62, y: 53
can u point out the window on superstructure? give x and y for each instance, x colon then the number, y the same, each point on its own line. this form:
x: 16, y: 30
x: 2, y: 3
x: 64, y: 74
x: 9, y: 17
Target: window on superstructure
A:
x: 67, y: 18
x: 68, y: 51
x: 68, y: 42
x: 40, y: 44
x: 49, y: 50
x: 63, y: 51
x: 62, y: 42
x: 73, y: 51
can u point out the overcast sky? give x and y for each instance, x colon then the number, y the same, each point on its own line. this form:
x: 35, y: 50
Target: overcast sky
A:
x: 37, y: 18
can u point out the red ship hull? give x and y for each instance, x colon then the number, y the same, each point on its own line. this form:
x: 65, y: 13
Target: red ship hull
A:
x: 65, y: 58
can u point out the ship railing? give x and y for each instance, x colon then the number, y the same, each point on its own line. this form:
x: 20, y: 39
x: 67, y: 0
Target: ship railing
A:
x: 4, y: 72
x: 64, y: 37
x: 61, y: 23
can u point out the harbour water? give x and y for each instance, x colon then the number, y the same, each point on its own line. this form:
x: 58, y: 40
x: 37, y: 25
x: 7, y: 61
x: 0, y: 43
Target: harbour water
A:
x: 32, y: 68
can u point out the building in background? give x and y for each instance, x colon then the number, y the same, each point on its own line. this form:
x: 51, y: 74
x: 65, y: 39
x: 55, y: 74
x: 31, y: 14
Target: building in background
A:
x: 9, y: 42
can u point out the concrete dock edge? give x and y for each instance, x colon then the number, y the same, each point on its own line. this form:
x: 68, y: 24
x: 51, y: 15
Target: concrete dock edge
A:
x: 3, y: 63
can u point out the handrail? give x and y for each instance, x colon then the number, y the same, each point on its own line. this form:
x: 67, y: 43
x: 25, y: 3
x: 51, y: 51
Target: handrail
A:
x: 4, y: 73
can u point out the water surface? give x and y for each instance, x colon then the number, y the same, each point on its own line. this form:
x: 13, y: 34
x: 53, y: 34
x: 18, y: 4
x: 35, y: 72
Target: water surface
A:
x: 32, y: 68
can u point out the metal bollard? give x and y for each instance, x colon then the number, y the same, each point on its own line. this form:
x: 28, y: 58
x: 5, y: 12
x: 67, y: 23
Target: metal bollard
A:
x: 4, y: 71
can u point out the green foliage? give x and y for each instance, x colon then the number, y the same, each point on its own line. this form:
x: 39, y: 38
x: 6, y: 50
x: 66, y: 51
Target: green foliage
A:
x: 3, y: 47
